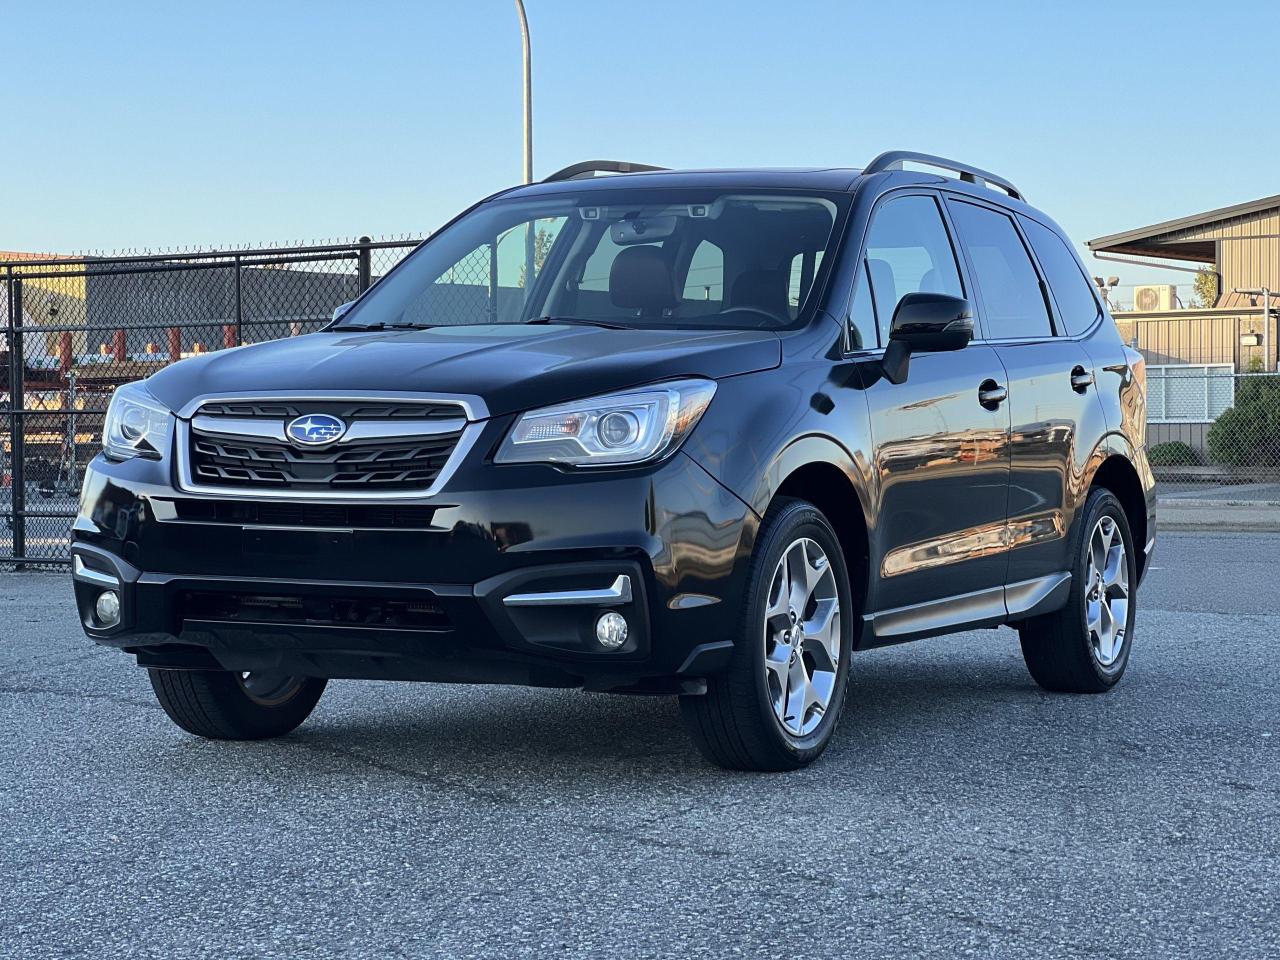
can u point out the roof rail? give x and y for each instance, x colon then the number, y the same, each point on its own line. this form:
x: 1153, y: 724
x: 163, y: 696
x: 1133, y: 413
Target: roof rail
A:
x: 587, y: 168
x: 893, y: 160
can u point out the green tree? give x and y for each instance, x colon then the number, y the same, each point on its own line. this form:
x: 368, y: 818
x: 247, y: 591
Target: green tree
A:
x: 541, y: 247
x: 1206, y: 283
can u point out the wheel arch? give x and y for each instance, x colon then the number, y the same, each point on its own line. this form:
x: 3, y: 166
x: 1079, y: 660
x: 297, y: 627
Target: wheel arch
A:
x: 831, y: 489
x: 1117, y: 473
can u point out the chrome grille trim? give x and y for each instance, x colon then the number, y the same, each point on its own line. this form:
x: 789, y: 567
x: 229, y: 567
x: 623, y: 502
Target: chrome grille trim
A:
x: 360, y: 430
x: 397, y: 432
x: 473, y: 408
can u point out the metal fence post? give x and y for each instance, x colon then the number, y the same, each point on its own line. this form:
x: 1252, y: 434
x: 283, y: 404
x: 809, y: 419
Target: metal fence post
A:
x: 364, y: 265
x: 17, y: 422
x: 239, y: 305
x: 10, y: 336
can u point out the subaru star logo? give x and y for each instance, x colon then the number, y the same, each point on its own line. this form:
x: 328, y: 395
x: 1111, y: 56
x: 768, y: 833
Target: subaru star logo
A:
x: 315, y: 429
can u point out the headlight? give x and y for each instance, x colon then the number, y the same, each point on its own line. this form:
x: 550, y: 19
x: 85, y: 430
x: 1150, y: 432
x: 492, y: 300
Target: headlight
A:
x: 632, y: 427
x: 137, y: 425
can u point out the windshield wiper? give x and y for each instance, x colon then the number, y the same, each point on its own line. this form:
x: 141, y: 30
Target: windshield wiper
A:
x: 580, y: 321
x: 365, y: 327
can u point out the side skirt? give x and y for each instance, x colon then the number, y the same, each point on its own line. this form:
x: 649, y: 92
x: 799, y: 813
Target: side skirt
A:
x: 967, y: 611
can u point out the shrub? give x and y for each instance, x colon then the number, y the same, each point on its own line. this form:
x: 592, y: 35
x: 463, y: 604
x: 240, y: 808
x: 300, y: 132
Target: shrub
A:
x: 1174, y: 453
x: 1248, y: 434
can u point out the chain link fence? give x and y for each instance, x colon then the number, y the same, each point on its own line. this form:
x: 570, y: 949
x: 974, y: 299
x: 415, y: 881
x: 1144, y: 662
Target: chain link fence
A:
x: 77, y: 328
x: 1213, y: 394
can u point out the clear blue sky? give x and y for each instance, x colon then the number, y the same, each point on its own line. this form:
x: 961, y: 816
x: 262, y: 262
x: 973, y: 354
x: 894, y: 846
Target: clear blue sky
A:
x: 160, y: 124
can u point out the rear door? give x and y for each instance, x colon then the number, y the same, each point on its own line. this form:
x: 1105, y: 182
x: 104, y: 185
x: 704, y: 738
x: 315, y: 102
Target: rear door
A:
x: 941, y: 454
x: 1051, y: 395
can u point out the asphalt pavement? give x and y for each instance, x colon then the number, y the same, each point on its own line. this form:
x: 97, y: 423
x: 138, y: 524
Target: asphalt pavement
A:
x: 959, y: 812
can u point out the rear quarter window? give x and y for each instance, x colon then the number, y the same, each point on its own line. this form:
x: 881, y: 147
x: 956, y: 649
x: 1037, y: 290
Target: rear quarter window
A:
x: 1072, y: 290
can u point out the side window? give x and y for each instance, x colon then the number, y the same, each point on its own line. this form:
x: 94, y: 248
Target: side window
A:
x: 1012, y: 300
x: 862, y: 315
x: 908, y: 251
x: 704, y: 282
x: 1071, y: 288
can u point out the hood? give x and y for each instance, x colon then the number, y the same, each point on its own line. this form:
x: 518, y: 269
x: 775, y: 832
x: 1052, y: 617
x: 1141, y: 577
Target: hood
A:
x: 510, y: 367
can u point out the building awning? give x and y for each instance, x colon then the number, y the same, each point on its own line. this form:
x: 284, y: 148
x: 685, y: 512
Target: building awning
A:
x: 1182, y: 239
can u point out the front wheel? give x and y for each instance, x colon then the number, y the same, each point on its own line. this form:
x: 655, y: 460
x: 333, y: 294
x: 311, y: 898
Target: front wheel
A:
x: 778, y: 704
x: 222, y: 705
x: 1084, y: 647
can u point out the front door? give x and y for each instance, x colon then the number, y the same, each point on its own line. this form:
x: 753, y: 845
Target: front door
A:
x: 941, y: 446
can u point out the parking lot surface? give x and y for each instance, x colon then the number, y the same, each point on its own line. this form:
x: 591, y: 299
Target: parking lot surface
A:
x: 960, y: 811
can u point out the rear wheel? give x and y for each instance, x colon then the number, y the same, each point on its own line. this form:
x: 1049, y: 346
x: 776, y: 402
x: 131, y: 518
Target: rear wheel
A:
x: 778, y: 704
x: 223, y: 705
x: 1084, y: 647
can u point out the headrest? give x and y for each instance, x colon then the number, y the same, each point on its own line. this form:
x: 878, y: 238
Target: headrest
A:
x: 641, y: 278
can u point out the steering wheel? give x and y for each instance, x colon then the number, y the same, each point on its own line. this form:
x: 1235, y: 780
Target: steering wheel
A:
x: 767, y: 318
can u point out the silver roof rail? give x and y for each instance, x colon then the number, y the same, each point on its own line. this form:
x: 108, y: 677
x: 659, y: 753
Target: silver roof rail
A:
x: 589, y: 168
x: 893, y: 160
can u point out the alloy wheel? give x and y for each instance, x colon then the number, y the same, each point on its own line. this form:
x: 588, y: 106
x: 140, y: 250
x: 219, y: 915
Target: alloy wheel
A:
x: 1107, y: 592
x: 802, y: 637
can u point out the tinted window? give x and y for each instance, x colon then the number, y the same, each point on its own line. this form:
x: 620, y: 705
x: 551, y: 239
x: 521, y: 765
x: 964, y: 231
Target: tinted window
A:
x: 862, y: 316
x: 1071, y: 288
x: 1012, y: 301
x: 639, y: 257
x: 908, y: 251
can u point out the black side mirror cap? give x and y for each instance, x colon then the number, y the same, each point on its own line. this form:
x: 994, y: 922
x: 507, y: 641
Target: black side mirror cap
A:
x: 926, y: 323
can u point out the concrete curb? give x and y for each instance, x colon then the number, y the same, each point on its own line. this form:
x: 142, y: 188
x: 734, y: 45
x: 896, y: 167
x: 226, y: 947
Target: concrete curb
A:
x: 1238, y: 516
x: 1175, y: 502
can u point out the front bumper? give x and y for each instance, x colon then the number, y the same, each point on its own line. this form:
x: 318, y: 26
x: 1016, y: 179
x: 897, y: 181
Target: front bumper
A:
x: 422, y: 593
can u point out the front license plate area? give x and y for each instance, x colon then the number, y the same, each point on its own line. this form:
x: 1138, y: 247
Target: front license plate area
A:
x: 297, y: 543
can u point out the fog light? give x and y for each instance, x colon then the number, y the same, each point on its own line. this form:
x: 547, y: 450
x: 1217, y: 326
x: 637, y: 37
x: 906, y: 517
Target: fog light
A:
x: 107, y: 608
x: 611, y: 630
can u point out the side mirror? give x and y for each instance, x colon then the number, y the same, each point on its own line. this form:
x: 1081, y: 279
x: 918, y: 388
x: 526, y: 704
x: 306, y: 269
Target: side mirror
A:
x: 925, y: 323
x: 341, y: 310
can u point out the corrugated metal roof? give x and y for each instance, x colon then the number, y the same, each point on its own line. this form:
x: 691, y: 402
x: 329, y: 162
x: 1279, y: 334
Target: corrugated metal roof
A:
x: 1144, y: 239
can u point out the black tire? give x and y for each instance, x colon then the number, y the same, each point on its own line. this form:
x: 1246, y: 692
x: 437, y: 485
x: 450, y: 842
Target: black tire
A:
x: 1058, y: 647
x: 221, y: 706
x: 734, y: 723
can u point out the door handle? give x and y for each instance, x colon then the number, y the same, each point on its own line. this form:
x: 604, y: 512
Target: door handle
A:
x: 1081, y: 379
x: 992, y: 394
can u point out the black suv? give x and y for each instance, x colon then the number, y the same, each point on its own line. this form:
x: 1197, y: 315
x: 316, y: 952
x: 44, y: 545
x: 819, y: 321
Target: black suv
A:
x: 698, y: 433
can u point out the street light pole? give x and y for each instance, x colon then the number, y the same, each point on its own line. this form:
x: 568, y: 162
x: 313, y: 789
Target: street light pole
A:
x: 528, y: 94
x: 528, y: 146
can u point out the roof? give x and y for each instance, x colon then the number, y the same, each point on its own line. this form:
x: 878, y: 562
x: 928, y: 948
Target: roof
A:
x: 1168, y: 239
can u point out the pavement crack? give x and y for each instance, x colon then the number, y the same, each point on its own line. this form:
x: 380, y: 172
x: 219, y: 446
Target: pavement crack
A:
x: 435, y: 780
x: 78, y: 695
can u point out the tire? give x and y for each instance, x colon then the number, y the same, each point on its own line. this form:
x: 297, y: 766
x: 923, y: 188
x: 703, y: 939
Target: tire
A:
x: 1064, y: 652
x: 221, y: 705
x: 736, y: 723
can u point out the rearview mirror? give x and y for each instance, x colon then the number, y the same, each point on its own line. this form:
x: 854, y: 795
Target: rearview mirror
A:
x: 925, y: 323
x: 341, y: 310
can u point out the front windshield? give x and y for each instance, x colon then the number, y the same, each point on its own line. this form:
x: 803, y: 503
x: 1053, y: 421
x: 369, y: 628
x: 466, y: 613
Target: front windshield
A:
x: 625, y: 257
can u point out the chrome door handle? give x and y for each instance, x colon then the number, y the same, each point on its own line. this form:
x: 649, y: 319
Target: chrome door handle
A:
x: 1081, y: 379
x: 992, y: 394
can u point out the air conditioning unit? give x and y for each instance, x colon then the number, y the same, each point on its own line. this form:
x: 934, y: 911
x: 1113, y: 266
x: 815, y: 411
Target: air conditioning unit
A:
x: 1154, y: 297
